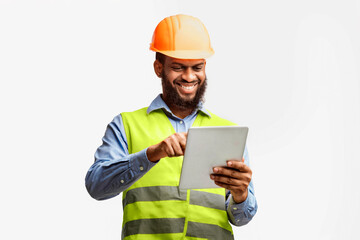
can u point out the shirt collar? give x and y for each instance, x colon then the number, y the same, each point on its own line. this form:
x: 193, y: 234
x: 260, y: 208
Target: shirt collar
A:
x: 158, y: 103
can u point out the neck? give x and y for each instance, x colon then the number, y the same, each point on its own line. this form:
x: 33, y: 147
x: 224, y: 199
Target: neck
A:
x: 180, y: 113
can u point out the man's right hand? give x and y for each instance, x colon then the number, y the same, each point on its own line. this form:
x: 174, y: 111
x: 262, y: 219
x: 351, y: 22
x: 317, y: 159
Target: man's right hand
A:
x: 172, y: 146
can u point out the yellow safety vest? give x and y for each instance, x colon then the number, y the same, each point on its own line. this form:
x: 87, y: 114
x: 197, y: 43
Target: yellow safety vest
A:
x: 154, y: 207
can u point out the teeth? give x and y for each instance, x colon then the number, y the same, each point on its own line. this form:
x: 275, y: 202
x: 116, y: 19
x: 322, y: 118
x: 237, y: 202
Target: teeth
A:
x: 187, y: 87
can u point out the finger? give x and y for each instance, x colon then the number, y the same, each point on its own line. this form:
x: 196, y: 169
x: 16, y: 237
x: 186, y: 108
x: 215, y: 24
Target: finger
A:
x: 176, y: 139
x: 168, y: 148
x: 238, y: 165
x: 230, y: 172
x: 228, y: 187
x: 227, y: 180
x: 170, y: 152
x: 242, y: 187
x: 182, y: 140
x: 244, y: 178
x: 177, y: 148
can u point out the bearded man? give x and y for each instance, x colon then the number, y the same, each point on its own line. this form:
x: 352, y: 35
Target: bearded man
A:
x: 142, y: 151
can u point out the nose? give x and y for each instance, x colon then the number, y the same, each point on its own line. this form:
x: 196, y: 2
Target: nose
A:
x: 189, y: 75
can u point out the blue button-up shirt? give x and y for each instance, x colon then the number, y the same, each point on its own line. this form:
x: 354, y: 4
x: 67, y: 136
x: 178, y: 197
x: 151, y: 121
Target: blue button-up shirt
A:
x: 115, y: 169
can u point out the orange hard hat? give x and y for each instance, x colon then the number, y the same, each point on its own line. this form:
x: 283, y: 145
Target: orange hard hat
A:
x: 182, y: 36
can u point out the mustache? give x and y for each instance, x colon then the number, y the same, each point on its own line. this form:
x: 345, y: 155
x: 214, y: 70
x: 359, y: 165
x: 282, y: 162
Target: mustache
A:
x: 180, y: 80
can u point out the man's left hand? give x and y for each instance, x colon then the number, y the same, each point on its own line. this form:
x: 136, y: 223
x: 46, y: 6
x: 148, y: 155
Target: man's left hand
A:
x: 235, y: 177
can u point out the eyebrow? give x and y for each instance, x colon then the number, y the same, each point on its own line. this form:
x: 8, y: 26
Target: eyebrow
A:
x: 183, y: 65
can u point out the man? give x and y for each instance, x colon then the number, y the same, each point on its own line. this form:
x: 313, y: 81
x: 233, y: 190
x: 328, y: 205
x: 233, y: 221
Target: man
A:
x: 142, y: 151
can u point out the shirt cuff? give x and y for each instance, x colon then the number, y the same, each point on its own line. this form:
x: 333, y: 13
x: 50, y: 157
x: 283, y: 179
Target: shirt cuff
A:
x: 140, y: 163
x: 238, y: 212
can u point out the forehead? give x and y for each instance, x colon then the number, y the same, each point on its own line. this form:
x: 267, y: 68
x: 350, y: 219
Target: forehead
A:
x: 184, y: 62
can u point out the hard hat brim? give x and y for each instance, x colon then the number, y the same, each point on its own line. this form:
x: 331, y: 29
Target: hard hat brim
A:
x: 186, y: 54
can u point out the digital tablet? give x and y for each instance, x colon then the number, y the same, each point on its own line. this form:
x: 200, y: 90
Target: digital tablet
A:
x: 207, y: 147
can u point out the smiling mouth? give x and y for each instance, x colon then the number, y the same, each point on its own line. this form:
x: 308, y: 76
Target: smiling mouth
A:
x: 187, y: 85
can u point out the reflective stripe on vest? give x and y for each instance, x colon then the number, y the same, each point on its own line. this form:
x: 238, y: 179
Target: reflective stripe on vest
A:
x: 159, y: 193
x: 154, y: 207
x: 172, y: 228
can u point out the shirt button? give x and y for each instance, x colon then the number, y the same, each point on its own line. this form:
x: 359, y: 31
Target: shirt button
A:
x: 141, y: 168
x: 122, y: 181
x: 234, y: 208
x: 181, y: 122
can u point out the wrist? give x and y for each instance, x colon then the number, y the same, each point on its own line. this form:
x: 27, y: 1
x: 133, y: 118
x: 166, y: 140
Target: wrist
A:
x: 153, y: 153
x: 239, y: 197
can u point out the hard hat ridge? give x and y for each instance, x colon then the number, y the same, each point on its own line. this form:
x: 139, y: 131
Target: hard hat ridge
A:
x: 182, y: 36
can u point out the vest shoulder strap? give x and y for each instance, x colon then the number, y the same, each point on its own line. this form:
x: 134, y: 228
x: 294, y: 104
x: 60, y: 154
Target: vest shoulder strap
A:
x: 206, y: 121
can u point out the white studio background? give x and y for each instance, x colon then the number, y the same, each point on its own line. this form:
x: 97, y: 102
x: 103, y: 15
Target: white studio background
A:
x: 287, y: 69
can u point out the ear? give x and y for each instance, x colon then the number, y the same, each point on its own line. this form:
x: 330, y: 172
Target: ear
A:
x: 158, y: 67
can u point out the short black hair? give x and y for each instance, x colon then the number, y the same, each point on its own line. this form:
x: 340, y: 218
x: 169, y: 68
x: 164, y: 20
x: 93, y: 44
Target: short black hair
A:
x: 160, y: 57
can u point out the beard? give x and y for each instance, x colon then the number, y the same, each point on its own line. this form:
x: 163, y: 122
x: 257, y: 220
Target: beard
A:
x: 174, y: 98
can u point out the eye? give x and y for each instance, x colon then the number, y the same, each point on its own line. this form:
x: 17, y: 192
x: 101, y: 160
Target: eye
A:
x: 176, y: 68
x: 198, y: 68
